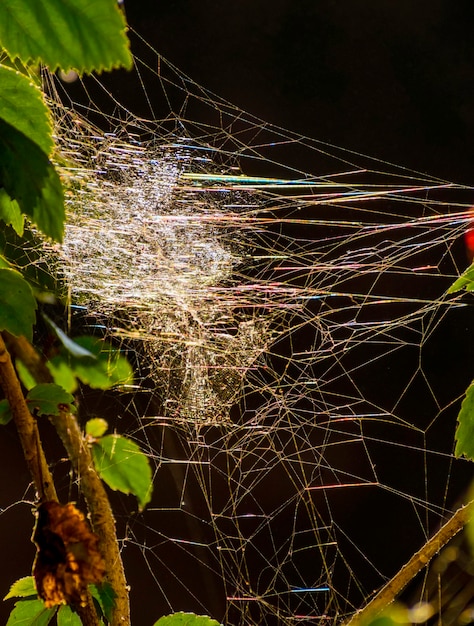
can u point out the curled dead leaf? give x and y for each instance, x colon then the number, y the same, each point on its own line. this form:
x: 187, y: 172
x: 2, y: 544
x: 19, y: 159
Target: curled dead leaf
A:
x: 68, y: 558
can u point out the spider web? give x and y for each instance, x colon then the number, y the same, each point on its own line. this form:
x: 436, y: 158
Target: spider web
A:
x: 299, y: 364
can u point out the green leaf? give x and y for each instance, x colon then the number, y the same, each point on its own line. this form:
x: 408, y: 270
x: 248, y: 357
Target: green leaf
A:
x: 30, y: 613
x: 465, y: 281
x: 26, y: 254
x: 67, y: 617
x: 47, y: 399
x: 17, y: 304
x: 62, y: 373
x: 123, y: 466
x: 22, y: 588
x: 465, y: 429
x: 105, y: 596
x: 96, y: 427
x: 22, y: 106
x: 71, y: 34
x: 28, y: 177
x: 5, y: 412
x: 24, y: 375
x: 10, y: 212
x: 106, y: 369
x: 186, y: 619
x: 71, y: 346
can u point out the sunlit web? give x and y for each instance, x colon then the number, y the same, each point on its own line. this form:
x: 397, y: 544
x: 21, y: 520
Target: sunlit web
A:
x: 299, y: 365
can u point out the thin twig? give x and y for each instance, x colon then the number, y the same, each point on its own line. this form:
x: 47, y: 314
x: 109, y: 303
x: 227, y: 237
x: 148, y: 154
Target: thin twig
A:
x: 91, y: 486
x: 418, y: 561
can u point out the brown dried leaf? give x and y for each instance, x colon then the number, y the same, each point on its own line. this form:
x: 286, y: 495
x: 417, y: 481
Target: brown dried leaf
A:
x: 68, y: 558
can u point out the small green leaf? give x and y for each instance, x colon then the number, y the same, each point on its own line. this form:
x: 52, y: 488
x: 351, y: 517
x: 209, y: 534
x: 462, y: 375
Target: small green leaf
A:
x: 105, y: 596
x: 71, y: 346
x: 28, y: 177
x: 96, y: 427
x: 30, y: 613
x: 67, y: 617
x: 465, y: 281
x: 24, y: 375
x: 17, y: 304
x: 5, y: 412
x: 10, y: 212
x: 22, y: 105
x: 47, y: 399
x: 107, y: 369
x: 62, y: 373
x: 186, y: 619
x: 71, y: 34
x: 123, y: 466
x: 465, y: 429
x: 22, y: 588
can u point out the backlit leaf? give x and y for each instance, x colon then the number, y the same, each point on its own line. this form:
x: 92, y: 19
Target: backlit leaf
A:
x: 186, y: 619
x: 30, y: 613
x: 67, y: 617
x: 105, y: 596
x: 10, y: 212
x: 106, y: 369
x: 48, y: 398
x: 22, y: 588
x: 465, y: 428
x: 24, y: 375
x: 17, y: 304
x: 71, y: 34
x: 96, y: 427
x: 465, y: 281
x: 28, y: 177
x: 123, y: 466
x: 22, y: 106
x: 62, y: 373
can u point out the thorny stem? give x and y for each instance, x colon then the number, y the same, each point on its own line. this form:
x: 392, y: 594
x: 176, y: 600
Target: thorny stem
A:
x: 102, y: 519
x: 418, y: 561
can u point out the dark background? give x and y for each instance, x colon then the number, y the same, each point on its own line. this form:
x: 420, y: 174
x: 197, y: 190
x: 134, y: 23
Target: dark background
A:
x: 392, y: 79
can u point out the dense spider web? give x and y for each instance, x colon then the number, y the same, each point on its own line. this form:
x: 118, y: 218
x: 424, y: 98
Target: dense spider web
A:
x: 299, y: 364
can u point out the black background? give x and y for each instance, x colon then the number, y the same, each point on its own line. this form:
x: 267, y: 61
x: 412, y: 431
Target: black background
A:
x: 394, y: 80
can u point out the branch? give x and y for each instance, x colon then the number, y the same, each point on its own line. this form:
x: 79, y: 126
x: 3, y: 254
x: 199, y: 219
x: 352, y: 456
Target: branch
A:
x: 27, y: 428
x: 102, y: 519
x: 418, y: 561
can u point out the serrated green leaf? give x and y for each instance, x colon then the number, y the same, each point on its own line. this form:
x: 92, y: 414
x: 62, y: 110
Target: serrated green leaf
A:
x: 71, y: 34
x: 67, y: 617
x: 123, y: 466
x: 17, y: 304
x: 47, y: 398
x: 5, y: 412
x: 107, y: 369
x: 105, y: 596
x: 96, y: 427
x: 465, y: 428
x: 465, y: 281
x: 30, y: 613
x: 186, y: 619
x: 22, y: 588
x: 28, y: 177
x: 10, y: 212
x: 22, y: 106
